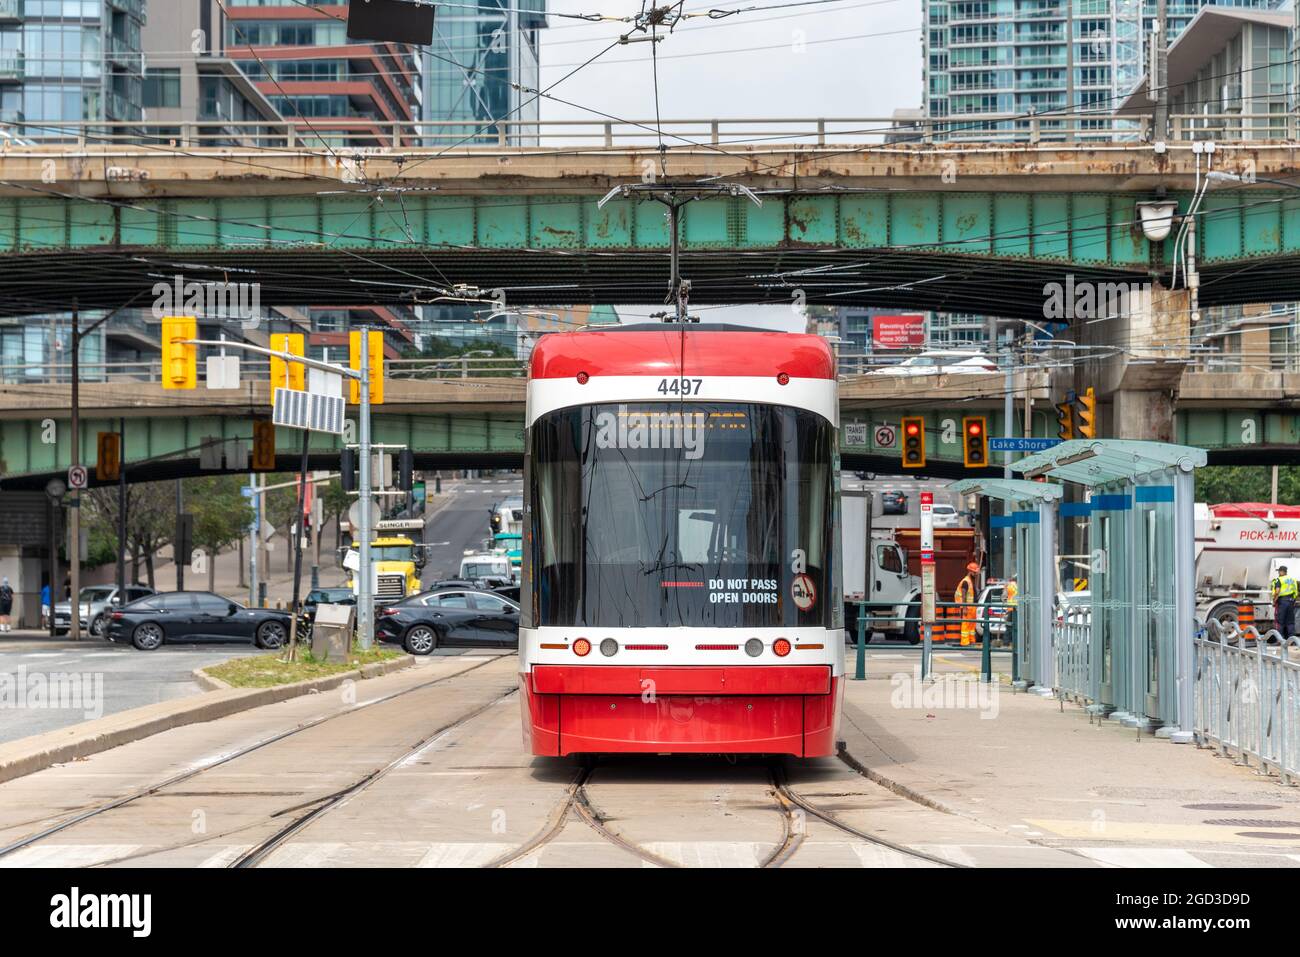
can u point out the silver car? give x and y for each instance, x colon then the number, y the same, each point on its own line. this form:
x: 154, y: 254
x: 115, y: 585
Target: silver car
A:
x: 97, y: 603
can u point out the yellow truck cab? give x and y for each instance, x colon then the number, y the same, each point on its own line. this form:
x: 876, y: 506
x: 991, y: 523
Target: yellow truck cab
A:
x: 397, y: 558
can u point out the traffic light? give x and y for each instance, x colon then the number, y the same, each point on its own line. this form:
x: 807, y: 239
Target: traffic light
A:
x: 913, y: 442
x: 288, y: 375
x: 1088, y: 414
x: 180, y: 362
x: 348, y: 470
x: 975, y: 441
x: 108, y: 461
x: 376, y: 367
x: 263, y: 446
x: 1065, y: 420
x: 405, y: 470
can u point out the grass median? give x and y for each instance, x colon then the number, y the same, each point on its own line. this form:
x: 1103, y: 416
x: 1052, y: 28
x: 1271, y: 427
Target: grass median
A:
x: 268, y: 671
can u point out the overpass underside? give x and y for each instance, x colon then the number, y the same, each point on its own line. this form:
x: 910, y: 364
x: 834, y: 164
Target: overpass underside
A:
x: 981, y: 252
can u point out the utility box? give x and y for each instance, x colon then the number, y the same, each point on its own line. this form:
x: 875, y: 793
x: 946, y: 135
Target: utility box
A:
x: 331, y: 633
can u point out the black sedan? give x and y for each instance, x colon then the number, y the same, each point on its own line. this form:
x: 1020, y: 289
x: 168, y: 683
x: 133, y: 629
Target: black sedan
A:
x: 893, y: 503
x: 192, y: 616
x: 327, y: 596
x: 450, y: 617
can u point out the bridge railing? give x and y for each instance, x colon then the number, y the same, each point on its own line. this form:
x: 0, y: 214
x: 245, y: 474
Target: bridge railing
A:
x: 327, y: 132
x: 150, y: 370
x: 1248, y: 696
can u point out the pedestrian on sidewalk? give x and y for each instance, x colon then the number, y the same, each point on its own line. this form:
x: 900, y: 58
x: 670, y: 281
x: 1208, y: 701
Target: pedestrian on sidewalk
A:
x: 45, y: 605
x: 6, y: 604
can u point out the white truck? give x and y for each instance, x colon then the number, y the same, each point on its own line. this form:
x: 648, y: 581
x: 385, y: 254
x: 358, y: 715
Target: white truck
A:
x: 1239, y: 547
x: 894, y: 592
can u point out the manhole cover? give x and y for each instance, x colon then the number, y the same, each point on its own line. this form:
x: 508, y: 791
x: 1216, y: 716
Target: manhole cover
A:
x: 1270, y: 835
x: 1232, y: 807
x: 1250, y: 822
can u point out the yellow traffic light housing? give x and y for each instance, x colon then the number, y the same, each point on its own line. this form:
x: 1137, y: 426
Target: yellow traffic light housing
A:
x: 975, y: 441
x: 108, y: 459
x: 1087, y: 425
x: 263, y: 446
x: 288, y: 375
x: 376, y: 367
x: 913, y: 442
x: 1065, y: 420
x: 180, y: 361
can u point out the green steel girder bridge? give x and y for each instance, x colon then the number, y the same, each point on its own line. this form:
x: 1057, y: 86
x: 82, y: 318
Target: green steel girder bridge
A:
x: 978, y: 251
x: 169, y: 446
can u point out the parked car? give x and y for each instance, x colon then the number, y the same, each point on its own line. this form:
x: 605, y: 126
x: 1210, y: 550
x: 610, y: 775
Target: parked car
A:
x: 193, y: 616
x: 994, y: 590
x: 945, y: 516
x: 96, y: 603
x: 327, y: 596
x: 941, y: 362
x: 508, y: 591
x: 893, y: 503
x: 450, y: 617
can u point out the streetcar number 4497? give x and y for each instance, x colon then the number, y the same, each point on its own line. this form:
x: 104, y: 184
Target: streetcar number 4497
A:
x: 680, y: 386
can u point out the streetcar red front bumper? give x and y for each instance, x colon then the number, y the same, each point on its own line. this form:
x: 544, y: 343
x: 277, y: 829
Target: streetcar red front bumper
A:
x: 759, y: 709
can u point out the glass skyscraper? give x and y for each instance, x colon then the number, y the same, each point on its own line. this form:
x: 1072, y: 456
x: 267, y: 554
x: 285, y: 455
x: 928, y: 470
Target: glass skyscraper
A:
x: 475, y: 56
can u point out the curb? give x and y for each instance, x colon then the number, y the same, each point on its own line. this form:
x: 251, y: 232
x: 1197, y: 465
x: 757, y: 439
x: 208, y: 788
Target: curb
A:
x: 28, y: 755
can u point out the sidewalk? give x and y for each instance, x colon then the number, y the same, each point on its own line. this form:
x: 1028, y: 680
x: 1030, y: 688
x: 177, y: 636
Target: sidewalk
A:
x: 1020, y: 763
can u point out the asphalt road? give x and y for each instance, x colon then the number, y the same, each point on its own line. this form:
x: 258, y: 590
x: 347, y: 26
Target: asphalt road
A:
x: 460, y: 527
x: 912, y: 487
x: 108, y: 678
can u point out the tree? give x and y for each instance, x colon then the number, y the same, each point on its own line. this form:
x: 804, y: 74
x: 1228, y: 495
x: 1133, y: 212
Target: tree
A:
x: 150, y: 518
x: 221, y: 516
x: 1247, y: 483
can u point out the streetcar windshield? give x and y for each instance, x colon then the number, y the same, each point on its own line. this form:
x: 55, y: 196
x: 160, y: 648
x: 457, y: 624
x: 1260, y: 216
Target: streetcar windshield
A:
x: 671, y: 514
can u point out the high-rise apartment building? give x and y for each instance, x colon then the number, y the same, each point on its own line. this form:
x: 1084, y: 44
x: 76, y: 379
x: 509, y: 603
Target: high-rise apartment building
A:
x: 68, y: 61
x: 985, y: 58
x: 335, y: 90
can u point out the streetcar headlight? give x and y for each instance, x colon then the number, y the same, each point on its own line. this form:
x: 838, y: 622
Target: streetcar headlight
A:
x: 754, y: 647
x: 582, y: 647
x: 781, y: 647
x: 609, y: 647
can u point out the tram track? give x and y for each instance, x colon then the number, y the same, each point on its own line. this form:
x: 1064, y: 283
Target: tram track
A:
x: 191, y: 773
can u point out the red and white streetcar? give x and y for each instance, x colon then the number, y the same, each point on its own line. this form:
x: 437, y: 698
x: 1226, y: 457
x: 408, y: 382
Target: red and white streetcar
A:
x: 681, y: 575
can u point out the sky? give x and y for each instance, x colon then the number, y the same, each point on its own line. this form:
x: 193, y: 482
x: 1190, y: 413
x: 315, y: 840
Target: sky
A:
x: 805, y: 70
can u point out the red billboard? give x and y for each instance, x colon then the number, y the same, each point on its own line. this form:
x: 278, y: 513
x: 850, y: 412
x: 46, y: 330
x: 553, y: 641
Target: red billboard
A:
x: 897, y: 332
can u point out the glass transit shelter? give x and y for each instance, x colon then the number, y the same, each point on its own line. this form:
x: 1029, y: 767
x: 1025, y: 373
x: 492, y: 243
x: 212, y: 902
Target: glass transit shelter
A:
x: 1140, y: 507
x: 1031, y: 508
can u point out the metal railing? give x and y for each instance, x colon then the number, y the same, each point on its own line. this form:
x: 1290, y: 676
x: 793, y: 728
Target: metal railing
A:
x: 1071, y: 642
x: 150, y: 370
x: 1248, y: 697
x: 379, y: 133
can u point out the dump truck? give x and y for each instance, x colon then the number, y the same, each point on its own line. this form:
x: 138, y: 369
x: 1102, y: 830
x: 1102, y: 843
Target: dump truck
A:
x: 1239, y: 547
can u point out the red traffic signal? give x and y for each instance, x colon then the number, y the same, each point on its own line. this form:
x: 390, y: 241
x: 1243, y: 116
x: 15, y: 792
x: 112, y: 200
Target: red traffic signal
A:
x: 975, y: 442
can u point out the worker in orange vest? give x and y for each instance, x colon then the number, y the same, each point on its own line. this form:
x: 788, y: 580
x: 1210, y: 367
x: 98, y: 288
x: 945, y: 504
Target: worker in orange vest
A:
x: 965, y: 598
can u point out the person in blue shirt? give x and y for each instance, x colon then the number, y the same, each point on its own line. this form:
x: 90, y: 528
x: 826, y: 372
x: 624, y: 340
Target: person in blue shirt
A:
x: 45, y: 605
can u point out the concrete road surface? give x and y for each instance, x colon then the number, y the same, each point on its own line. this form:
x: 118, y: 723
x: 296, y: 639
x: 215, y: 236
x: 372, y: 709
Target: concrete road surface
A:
x: 108, y: 678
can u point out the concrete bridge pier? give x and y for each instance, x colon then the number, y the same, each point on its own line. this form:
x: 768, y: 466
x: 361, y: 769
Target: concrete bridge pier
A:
x: 1144, y: 334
